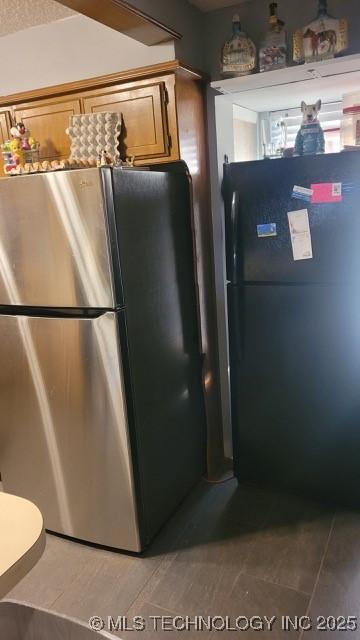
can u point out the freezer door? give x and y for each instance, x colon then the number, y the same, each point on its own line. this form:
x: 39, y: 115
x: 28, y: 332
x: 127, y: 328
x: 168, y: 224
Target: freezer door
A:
x: 295, y: 388
x: 64, y: 441
x: 260, y: 193
x: 54, y: 248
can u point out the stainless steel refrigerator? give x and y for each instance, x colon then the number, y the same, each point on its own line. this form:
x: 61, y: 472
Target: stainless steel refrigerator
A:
x: 293, y: 269
x: 101, y: 411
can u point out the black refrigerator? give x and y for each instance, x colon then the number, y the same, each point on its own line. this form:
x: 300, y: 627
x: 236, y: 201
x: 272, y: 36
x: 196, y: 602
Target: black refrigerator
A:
x: 101, y: 408
x: 293, y: 271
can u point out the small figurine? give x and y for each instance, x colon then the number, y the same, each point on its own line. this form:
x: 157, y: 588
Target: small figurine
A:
x: 19, y: 132
x: 19, y: 152
x: 33, y: 144
x: 310, y: 138
x: 104, y: 159
x: 16, y: 150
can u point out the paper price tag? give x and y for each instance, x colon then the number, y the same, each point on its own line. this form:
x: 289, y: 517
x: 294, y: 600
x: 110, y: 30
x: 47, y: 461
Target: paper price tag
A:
x: 300, y: 234
x: 337, y: 189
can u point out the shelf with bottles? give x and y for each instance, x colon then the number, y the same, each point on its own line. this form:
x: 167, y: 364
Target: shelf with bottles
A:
x: 316, y: 54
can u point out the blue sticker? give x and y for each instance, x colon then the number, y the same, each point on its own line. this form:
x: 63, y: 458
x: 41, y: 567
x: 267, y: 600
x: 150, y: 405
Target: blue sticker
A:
x: 266, y: 230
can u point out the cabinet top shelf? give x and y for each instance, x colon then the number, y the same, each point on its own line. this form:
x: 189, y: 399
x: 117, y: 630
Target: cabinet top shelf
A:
x: 285, y: 88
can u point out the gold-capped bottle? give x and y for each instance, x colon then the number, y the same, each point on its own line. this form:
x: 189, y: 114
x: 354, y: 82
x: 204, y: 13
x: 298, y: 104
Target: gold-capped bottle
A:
x: 238, y: 56
x: 273, y: 50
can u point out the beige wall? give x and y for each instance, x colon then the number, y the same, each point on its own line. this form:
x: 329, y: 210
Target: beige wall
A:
x: 75, y: 47
x: 70, y: 49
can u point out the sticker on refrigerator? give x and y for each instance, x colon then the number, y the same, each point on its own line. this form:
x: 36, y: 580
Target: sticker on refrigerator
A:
x: 267, y: 230
x: 300, y: 234
x: 302, y: 193
x: 326, y: 192
x: 337, y: 189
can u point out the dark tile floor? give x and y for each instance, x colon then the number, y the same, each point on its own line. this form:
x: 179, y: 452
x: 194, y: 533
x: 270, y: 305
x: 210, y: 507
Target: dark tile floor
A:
x: 229, y: 551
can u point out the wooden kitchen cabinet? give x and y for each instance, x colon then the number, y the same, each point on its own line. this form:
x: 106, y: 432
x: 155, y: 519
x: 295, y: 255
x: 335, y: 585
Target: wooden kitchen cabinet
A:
x: 143, y: 105
x: 47, y: 121
x: 149, y: 118
x: 4, y: 126
x: 147, y: 104
x: 4, y: 131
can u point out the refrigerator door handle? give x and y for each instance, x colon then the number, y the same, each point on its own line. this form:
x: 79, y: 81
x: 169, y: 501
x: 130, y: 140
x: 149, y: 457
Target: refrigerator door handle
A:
x: 232, y: 248
x: 236, y: 324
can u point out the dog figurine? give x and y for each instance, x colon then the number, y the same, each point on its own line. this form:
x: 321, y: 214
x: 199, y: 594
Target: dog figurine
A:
x: 310, y: 138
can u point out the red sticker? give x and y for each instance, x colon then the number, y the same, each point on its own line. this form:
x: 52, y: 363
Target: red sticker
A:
x: 326, y: 192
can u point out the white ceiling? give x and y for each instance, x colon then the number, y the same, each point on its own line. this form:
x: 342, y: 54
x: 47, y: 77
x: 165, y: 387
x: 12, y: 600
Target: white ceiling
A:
x: 211, y: 5
x: 16, y: 15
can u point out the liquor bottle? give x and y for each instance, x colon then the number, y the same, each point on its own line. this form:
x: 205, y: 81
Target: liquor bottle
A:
x: 238, y: 56
x: 322, y: 39
x: 273, y: 50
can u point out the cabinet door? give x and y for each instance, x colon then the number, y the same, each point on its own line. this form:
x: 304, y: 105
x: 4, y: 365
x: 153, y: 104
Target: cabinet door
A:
x: 4, y: 132
x: 47, y: 121
x: 143, y: 108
